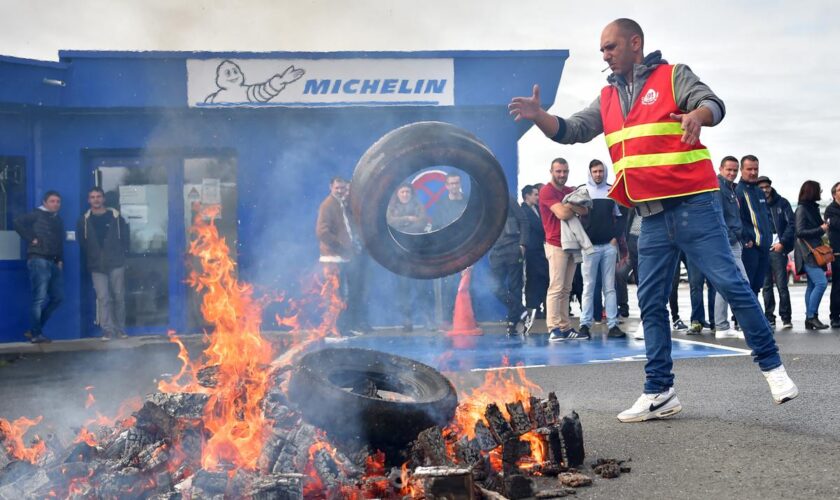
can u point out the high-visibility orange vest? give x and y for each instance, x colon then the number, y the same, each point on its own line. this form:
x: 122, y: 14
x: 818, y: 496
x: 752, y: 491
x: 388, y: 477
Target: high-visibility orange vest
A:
x: 649, y: 159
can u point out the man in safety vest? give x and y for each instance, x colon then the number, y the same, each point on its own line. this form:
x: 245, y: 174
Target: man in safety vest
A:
x: 651, y: 114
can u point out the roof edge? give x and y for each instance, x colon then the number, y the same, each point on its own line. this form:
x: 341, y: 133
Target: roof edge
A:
x: 156, y: 54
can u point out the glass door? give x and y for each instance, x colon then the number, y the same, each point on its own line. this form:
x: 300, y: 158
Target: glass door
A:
x: 140, y: 190
x: 209, y: 180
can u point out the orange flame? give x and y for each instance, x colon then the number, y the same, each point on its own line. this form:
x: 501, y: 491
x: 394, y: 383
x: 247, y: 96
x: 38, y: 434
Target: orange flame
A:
x: 539, y: 450
x: 12, y: 439
x: 313, y: 317
x: 500, y: 387
x: 233, y: 416
x: 409, y: 488
x: 122, y: 420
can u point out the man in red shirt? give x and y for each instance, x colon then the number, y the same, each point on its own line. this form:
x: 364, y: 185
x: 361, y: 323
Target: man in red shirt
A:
x: 561, y: 265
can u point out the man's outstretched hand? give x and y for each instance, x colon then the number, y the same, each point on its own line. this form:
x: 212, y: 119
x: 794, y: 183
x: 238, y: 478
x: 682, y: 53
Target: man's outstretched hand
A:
x: 526, y: 107
x: 530, y: 109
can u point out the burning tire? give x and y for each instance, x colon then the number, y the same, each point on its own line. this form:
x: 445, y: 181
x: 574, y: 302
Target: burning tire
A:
x: 383, y: 399
x: 404, y: 152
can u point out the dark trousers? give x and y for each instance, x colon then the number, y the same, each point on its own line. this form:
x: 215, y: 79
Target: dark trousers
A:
x: 756, y: 263
x: 695, y: 284
x: 778, y: 277
x: 448, y: 292
x: 673, y: 298
x: 834, y: 307
x: 414, y: 296
x: 536, y: 278
x: 353, y: 278
x: 507, y: 277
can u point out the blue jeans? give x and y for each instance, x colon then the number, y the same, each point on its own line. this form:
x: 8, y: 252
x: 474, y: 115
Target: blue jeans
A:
x: 600, y: 262
x: 695, y: 226
x: 817, y: 283
x: 47, y: 285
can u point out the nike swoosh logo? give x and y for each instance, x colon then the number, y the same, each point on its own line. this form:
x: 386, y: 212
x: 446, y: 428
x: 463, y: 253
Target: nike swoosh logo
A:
x: 654, y: 407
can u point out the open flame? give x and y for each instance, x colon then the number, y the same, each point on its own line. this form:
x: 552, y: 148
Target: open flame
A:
x: 500, y: 387
x: 233, y: 416
x: 11, y: 436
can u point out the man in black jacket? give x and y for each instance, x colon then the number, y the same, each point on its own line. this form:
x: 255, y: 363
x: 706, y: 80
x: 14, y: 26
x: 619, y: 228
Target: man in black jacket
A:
x: 103, y: 237
x: 783, y: 226
x: 536, y: 265
x: 43, y: 231
x: 506, y: 257
x: 832, y: 218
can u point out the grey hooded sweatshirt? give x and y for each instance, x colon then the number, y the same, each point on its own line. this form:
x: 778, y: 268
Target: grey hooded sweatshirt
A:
x: 689, y: 92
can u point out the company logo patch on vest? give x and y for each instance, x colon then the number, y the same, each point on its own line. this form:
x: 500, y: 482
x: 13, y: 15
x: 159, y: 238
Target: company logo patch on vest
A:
x: 320, y: 82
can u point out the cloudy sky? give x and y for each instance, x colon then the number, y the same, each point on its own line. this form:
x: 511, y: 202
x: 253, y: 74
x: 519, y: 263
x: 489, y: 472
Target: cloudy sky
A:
x: 771, y: 61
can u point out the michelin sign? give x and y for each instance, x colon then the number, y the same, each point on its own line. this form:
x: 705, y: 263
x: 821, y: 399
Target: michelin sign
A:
x: 320, y: 82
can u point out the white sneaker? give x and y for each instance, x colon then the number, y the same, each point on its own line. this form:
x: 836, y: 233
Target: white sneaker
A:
x: 781, y: 386
x: 728, y: 334
x: 652, y: 406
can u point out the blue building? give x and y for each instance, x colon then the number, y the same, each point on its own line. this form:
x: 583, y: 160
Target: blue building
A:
x: 260, y: 133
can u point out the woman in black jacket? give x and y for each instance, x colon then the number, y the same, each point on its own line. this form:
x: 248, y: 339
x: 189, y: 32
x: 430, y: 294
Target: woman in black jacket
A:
x: 810, y: 229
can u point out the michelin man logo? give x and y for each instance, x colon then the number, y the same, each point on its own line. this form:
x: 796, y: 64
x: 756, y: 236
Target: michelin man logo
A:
x: 232, y: 87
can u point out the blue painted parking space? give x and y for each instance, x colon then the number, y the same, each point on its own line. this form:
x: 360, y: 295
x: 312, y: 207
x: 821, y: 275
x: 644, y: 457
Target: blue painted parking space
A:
x: 490, y: 351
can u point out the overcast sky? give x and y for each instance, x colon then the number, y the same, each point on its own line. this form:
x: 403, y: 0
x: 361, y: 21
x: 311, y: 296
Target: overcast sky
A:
x: 771, y: 61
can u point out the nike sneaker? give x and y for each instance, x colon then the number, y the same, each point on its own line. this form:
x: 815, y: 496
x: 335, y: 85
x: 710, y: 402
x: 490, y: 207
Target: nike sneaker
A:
x: 652, y: 406
x: 781, y: 386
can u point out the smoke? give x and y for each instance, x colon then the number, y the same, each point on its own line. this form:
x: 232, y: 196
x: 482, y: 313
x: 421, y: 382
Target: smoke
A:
x: 54, y: 385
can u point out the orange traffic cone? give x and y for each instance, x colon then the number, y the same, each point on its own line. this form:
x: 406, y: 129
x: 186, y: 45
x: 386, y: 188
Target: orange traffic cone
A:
x: 463, y: 319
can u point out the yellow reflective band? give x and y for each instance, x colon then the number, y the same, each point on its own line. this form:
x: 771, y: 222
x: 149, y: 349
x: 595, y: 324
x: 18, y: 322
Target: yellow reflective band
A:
x: 659, y: 159
x: 645, y: 130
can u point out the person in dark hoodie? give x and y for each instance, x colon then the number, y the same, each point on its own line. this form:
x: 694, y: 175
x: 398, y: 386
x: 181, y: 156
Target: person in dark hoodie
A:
x: 832, y: 218
x: 506, y: 258
x: 783, y: 225
x: 652, y: 114
x: 103, y: 237
x: 43, y: 231
x: 603, y: 228
x: 755, y: 221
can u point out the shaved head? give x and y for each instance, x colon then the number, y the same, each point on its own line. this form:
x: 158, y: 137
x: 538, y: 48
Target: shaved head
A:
x: 629, y: 28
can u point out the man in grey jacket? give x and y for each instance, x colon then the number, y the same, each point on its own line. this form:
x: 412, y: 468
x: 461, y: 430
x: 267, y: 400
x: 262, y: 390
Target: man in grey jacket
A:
x: 667, y: 230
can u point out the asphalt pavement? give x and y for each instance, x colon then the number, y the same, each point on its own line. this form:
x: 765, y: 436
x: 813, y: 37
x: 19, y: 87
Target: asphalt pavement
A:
x: 730, y: 440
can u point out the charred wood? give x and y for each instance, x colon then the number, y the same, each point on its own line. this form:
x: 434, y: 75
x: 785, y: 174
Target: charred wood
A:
x: 484, y: 438
x: 497, y: 423
x: 536, y: 413
x: 519, y: 421
x: 572, y: 434
x: 518, y: 486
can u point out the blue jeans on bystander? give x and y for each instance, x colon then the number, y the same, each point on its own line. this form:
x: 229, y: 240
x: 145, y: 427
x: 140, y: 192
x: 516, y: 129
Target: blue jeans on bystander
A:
x: 47, y: 285
x: 817, y: 283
